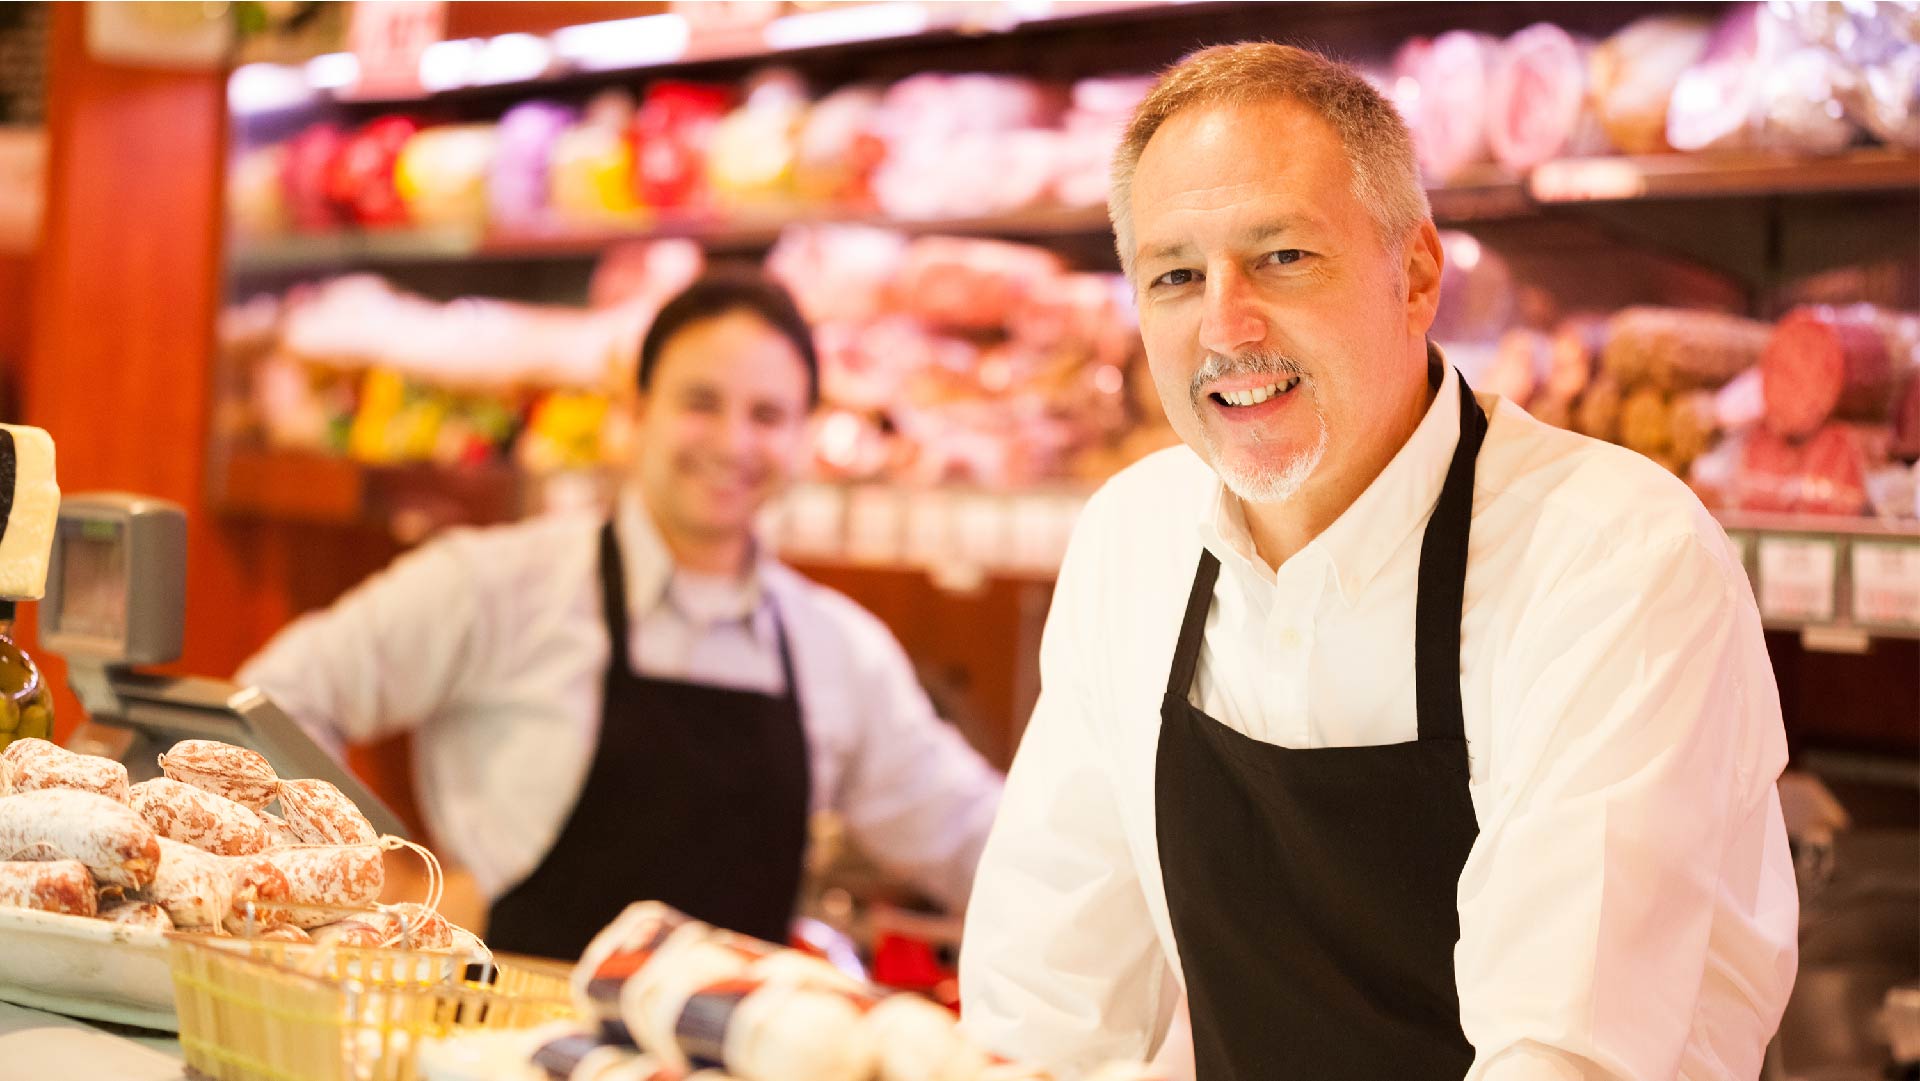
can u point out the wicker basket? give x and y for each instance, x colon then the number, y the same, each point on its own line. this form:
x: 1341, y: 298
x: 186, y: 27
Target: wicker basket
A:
x: 277, y: 1011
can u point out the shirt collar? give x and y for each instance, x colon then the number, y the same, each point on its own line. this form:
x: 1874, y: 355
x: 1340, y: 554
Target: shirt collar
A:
x: 650, y: 573
x: 1368, y: 533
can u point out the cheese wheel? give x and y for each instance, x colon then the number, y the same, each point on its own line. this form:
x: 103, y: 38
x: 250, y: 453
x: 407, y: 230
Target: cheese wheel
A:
x: 29, y: 508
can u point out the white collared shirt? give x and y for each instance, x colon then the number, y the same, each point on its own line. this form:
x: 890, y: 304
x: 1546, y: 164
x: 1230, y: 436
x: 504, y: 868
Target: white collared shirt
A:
x: 1629, y: 908
x: 490, y: 646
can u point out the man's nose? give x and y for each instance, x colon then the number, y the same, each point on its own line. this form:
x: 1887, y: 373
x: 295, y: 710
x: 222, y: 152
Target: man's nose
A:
x: 1230, y: 319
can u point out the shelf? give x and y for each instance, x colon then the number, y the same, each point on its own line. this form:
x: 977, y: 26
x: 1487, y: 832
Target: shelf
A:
x: 1484, y: 194
x: 1839, y: 582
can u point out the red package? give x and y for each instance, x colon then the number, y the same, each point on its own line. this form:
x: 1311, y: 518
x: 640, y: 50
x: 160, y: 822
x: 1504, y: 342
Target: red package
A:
x: 361, y: 177
x: 304, y: 178
x: 671, y: 131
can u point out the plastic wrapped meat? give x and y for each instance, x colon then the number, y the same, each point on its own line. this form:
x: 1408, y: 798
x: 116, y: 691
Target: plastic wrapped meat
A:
x: 1537, y: 107
x: 1716, y: 103
x: 1454, y: 83
x: 1801, y: 110
x: 441, y: 175
x: 672, y: 133
x: 518, y: 186
x: 305, y: 169
x: 752, y: 151
x: 965, y: 145
x: 361, y: 177
x: 1885, y: 97
x: 839, y: 148
x: 1634, y: 74
x: 970, y: 284
x: 591, y: 170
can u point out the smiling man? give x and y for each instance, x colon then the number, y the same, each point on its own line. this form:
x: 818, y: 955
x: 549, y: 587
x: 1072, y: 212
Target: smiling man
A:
x: 648, y: 705
x: 1406, y: 736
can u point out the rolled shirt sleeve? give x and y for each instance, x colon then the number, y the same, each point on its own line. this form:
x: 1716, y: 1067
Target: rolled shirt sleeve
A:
x: 1631, y: 884
x: 384, y: 657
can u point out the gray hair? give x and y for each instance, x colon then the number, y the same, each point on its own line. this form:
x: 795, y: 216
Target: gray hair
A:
x: 1379, y: 148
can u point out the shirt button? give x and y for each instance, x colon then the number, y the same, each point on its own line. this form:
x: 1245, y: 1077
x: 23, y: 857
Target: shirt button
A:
x: 1290, y: 639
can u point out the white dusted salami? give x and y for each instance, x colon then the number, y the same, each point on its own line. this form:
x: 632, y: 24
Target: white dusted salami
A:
x: 133, y: 913
x: 422, y: 928
x: 617, y: 954
x: 915, y: 1040
x: 278, y: 833
x: 192, y: 885
x: 1634, y: 73
x: 586, y: 1056
x: 260, y: 889
x: 773, y: 1031
x: 197, y: 817
x: 33, y: 764
x: 336, y: 876
x: 376, y: 928
x: 1680, y: 349
x: 47, y: 886
x: 1537, y: 101
x: 237, y: 773
x: 318, y: 813
x: 114, y: 843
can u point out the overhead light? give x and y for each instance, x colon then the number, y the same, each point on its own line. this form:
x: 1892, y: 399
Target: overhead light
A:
x: 512, y: 58
x: 623, y: 43
x: 260, y: 88
x: 447, y: 65
x: 846, y: 23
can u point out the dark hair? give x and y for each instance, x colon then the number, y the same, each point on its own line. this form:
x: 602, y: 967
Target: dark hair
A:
x: 723, y: 292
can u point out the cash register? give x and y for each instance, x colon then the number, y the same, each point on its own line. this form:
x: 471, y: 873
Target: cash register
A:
x: 115, y: 603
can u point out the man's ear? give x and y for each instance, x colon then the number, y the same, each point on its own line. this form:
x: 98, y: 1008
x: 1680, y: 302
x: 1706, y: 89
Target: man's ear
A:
x: 1424, y: 260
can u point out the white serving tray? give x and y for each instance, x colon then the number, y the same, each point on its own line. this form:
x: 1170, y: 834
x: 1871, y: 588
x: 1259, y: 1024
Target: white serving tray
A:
x: 86, y: 968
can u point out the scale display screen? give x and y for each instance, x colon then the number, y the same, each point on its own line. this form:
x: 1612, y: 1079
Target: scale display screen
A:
x: 93, y: 579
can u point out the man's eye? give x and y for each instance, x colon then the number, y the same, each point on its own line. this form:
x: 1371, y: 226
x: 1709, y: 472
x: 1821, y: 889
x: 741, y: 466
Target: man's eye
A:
x: 1287, y: 255
x: 1175, y: 277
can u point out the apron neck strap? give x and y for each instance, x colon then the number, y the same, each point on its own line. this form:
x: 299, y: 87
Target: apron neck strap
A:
x: 1442, y: 586
x: 1193, y: 626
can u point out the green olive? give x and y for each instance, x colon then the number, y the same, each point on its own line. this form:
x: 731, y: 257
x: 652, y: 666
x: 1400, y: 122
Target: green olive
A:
x: 9, y: 716
x: 36, y: 722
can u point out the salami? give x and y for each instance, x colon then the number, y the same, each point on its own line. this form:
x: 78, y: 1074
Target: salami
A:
x: 1537, y: 99
x: 259, y: 889
x: 1452, y: 132
x: 1680, y: 349
x: 773, y: 1031
x: 1692, y: 422
x: 1821, y: 363
x: 278, y: 833
x: 377, y: 928
x: 618, y: 953
x: 1769, y: 474
x: 287, y: 933
x: 1906, y: 421
x: 1833, y: 478
x: 1598, y: 414
x: 1643, y: 423
x: 138, y: 914
x: 114, y: 843
x: 47, y: 886
x: 421, y: 928
x: 318, y: 813
x: 197, y: 817
x: 915, y: 1040
x: 336, y: 876
x: 33, y: 764
x: 193, y: 886
x: 236, y: 773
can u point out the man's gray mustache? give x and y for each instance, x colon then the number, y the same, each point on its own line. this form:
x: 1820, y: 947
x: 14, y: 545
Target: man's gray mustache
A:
x: 1220, y: 367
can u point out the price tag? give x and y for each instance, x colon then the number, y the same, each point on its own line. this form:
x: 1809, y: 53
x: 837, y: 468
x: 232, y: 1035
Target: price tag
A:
x: 1797, y: 579
x: 1032, y: 523
x: 876, y: 519
x: 1886, y: 583
x: 389, y: 39
x: 929, y: 528
x: 814, y: 515
x: 980, y: 527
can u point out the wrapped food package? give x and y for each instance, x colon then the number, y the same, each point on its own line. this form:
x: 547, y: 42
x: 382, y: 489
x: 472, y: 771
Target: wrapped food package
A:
x: 1633, y: 75
x: 306, y: 169
x: 1885, y: 97
x: 1801, y: 110
x: 1454, y: 81
x: 1906, y: 421
x: 519, y: 178
x: 970, y: 284
x: 1090, y: 133
x: 1716, y: 103
x: 763, y: 1030
x: 1878, y: 48
x: 1537, y: 100
x: 1680, y: 349
x: 441, y: 175
x: 591, y: 167
x: 965, y: 145
x: 1826, y: 362
x: 839, y: 148
x: 750, y: 159
x: 360, y: 177
x: 672, y: 133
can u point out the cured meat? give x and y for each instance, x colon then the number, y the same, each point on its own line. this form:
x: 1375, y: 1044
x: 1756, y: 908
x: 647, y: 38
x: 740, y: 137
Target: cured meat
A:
x: 421, y: 928
x: 1821, y: 363
x: 1692, y: 423
x: 1537, y: 99
x: 1520, y: 363
x: 318, y: 813
x: 335, y: 876
x: 1769, y: 474
x: 1643, y: 423
x: 1680, y: 349
x: 1598, y: 414
x: 193, y: 816
x: 1833, y: 478
x: 32, y: 764
x: 47, y: 886
x: 1716, y: 102
x: 370, y: 929
x: 1633, y: 75
x: 587, y: 1056
x: 771, y: 1031
x: 259, y: 889
x: 1906, y: 421
x: 278, y: 833
x: 193, y: 886
x: 1454, y: 80
x: 138, y: 914
x: 288, y: 933
x: 239, y: 774
x: 915, y: 1040
x: 114, y: 843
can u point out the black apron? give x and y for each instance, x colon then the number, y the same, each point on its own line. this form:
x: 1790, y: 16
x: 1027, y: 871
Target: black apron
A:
x: 1312, y: 891
x: 697, y: 796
